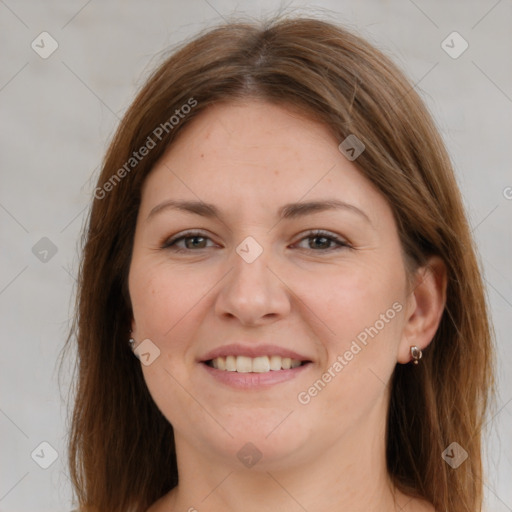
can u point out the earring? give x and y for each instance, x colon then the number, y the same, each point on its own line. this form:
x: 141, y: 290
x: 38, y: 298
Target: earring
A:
x: 416, y: 354
x: 131, y: 341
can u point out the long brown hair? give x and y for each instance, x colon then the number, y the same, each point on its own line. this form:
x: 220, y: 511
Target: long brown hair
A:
x: 121, y: 448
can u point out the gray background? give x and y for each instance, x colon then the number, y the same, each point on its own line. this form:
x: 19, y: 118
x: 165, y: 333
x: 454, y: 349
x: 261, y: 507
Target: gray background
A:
x: 58, y: 115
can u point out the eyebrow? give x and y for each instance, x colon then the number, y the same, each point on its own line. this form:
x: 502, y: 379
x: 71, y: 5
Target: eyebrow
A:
x: 288, y: 211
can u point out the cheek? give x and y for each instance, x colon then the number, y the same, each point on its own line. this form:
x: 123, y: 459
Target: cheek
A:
x: 362, y: 314
x: 168, y: 387
x: 349, y: 300
x: 162, y: 297
x: 164, y: 302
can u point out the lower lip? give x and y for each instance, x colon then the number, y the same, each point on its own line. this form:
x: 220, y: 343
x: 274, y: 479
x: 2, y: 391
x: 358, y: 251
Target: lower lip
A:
x: 253, y: 380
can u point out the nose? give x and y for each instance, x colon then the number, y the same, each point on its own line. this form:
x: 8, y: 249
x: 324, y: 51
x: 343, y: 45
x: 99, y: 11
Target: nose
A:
x: 253, y: 293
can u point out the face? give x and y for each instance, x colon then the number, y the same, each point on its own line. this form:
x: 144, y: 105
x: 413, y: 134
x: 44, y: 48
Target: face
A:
x: 316, y: 291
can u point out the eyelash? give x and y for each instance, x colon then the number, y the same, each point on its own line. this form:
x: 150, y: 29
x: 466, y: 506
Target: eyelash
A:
x: 341, y: 244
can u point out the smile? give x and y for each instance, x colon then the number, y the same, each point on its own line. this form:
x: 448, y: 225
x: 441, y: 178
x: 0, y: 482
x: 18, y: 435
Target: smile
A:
x: 260, y: 364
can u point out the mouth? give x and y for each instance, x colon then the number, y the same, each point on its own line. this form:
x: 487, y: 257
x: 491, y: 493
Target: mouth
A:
x: 254, y: 366
x: 260, y: 364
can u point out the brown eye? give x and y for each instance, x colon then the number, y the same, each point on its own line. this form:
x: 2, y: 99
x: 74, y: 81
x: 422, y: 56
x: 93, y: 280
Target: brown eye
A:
x: 324, y: 242
x: 196, y: 242
x: 192, y: 240
x: 318, y: 241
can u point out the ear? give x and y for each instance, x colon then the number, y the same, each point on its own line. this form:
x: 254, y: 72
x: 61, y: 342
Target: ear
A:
x: 425, y: 306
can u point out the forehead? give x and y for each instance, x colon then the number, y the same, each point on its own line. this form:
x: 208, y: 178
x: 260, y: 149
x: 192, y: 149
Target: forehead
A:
x: 272, y: 133
x: 257, y: 153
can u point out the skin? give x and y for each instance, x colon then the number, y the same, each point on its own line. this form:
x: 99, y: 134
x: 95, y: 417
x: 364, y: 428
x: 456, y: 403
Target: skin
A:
x: 249, y: 159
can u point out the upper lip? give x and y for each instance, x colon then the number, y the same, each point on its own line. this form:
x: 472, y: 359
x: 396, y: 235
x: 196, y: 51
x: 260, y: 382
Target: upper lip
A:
x: 252, y: 351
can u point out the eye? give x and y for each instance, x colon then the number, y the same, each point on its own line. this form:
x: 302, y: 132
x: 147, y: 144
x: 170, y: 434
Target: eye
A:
x: 196, y: 238
x: 323, y: 241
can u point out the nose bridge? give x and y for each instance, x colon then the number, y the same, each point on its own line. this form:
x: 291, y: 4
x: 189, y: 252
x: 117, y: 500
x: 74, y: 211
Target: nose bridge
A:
x: 252, y: 291
x: 251, y: 264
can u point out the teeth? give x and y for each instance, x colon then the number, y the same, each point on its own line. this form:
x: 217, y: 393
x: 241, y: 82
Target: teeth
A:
x: 243, y: 364
x: 262, y: 364
x: 221, y: 363
x: 230, y: 363
x: 275, y: 362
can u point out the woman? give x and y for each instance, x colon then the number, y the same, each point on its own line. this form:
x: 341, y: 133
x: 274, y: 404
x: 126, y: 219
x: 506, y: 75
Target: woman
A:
x: 279, y: 305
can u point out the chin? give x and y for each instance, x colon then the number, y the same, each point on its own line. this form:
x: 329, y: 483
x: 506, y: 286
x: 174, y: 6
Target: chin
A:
x: 266, y: 444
